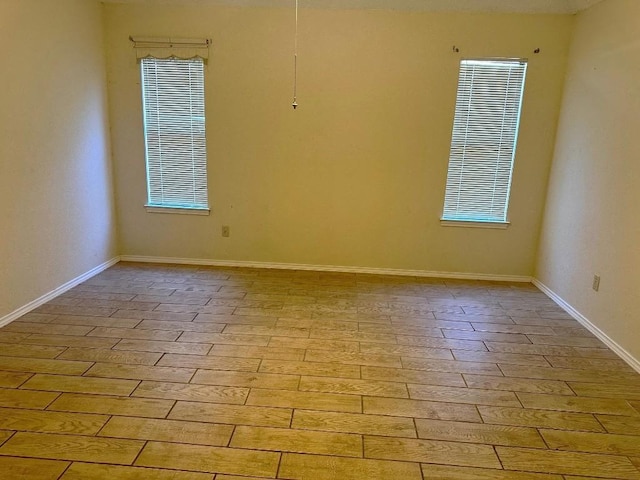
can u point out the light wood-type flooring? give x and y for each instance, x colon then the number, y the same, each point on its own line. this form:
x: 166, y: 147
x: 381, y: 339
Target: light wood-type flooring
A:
x: 196, y: 373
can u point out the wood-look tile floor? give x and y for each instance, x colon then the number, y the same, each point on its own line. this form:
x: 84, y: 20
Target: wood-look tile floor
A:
x: 193, y: 373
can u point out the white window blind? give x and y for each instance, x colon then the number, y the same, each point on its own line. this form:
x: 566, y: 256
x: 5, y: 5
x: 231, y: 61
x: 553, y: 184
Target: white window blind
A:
x: 483, y: 143
x: 174, y: 131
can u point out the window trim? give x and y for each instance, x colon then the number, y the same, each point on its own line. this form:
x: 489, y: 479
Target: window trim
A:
x: 464, y: 93
x: 180, y: 210
x: 199, y: 179
x: 474, y: 224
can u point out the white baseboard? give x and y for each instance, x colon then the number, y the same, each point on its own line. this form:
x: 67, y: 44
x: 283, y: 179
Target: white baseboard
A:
x: 56, y: 292
x: 326, y: 268
x: 585, y: 322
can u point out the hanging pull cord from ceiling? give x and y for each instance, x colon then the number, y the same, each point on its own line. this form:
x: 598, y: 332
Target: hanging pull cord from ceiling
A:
x: 295, y: 64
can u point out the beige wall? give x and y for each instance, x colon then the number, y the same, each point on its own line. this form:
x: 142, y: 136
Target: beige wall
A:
x: 56, y: 215
x: 355, y: 176
x: 592, y: 221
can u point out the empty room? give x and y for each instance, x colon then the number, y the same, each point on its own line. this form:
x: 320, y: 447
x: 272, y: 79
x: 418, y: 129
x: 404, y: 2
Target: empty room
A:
x: 319, y: 239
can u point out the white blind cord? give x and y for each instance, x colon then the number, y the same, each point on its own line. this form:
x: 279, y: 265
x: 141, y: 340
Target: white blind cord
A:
x: 295, y: 63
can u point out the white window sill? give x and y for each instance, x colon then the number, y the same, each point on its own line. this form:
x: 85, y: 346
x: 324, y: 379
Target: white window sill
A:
x: 472, y: 224
x: 178, y: 210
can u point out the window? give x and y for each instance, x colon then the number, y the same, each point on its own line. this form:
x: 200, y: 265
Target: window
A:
x: 483, y: 143
x: 174, y: 132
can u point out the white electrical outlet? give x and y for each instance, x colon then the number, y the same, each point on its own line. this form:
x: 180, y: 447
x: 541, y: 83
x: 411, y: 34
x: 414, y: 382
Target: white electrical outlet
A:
x: 596, y: 283
x: 225, y: 230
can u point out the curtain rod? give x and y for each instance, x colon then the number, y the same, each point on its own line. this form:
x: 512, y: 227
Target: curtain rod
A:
x: 163, y: 42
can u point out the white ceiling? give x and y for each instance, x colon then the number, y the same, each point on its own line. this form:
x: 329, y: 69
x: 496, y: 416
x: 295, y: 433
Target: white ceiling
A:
x: 494, y: 6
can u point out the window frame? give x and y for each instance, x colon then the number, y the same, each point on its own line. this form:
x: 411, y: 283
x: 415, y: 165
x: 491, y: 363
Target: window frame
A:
x: 459, y: 212
x: 193, y: 129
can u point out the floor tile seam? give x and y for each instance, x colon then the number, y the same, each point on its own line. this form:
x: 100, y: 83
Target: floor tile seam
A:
x: 11, y: 435
x: 50, y: 403
x: 30, y: 376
